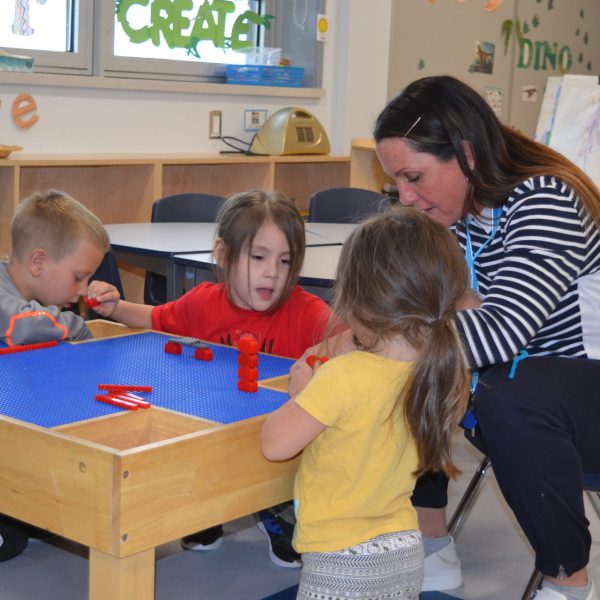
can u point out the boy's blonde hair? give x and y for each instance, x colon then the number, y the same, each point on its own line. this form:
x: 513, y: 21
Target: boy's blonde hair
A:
x: 56, y: 222
x: 240, y: 218
x: 402, y: 273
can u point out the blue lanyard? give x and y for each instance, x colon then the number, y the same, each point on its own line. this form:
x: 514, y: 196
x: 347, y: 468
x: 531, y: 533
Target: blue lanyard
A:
x: 470, y: 420
x: 471, y: 258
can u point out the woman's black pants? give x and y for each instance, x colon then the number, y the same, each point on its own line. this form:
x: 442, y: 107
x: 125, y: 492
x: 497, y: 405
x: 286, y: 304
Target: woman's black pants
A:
x: 541, y: 431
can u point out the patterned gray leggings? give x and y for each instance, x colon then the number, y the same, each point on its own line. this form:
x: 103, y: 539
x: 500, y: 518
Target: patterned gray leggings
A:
x: 387, y: 566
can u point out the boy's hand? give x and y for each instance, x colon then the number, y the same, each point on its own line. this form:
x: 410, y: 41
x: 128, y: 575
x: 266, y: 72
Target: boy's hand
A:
x: 105, y: 295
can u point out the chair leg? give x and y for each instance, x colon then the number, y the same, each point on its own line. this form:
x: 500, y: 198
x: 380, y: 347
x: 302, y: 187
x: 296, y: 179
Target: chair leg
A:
x: 534, y: 584
x: 466, y: 502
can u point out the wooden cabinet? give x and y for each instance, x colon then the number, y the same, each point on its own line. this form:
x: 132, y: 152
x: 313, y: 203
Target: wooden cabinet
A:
x: 120, y: 188
x: 365, y: 169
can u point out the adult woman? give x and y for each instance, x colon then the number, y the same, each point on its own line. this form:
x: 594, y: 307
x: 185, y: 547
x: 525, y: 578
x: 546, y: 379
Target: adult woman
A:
x: 529, y: 221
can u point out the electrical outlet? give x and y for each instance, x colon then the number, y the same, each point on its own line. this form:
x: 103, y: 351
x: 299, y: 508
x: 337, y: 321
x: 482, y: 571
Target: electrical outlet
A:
x: 254, y: 119
x: 214, y: 124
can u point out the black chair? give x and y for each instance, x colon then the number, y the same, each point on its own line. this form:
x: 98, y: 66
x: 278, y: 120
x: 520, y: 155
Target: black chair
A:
x: 178, y: 208
x: 345, y: 205
x: 107, y: 271
x: 591, y: 486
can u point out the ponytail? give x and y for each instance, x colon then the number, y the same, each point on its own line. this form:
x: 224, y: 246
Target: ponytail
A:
x: 436, y: 395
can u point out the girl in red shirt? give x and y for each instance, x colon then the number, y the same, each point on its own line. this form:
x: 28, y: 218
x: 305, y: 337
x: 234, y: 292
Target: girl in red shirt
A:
x: 259, y: 252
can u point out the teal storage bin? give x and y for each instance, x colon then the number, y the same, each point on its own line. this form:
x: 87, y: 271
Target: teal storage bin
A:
x: 265, y: 75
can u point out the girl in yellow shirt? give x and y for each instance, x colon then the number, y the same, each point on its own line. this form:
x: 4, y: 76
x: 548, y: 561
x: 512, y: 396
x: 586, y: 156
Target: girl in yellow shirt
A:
x: 372, y: 420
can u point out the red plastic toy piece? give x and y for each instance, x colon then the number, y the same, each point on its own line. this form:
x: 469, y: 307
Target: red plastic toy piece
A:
x: 27, y: 347
x: 247, y: 360
x: 312, y: 358
x: 90, y: 302
x: 140, y: 402
x: 204, y: 353
x: 118, y: 387
x: 248, y: 373
x: 172, y: 348
x: 108, y: 399
x: 248, y: 344
x: 245, y: 385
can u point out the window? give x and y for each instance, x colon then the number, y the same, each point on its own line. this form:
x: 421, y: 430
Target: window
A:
x: 161, y: 39
x: 171, y: 40
x: 49, y: 31
x: 294, y: 31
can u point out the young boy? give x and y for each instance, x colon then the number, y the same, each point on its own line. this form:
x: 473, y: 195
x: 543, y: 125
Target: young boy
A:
x: 57, y: 244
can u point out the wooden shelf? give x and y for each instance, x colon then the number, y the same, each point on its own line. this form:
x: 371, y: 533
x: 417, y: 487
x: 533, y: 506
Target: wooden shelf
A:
x: 365, y: 169
x: 121, y: 188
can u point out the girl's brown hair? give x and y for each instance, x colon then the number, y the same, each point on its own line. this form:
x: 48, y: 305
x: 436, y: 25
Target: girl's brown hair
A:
x: 240, y: 218
x: 402, y: 273
x: 437, y: 115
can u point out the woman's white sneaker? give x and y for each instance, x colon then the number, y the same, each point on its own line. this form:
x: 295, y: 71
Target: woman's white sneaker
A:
x: 442, y: 570
x: 550, y: 594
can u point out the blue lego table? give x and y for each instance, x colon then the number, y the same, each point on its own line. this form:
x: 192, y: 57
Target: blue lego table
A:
x: 55, y: 386
x: 124, y: 482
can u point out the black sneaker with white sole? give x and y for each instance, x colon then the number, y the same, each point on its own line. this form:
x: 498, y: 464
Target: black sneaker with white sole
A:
x: 279, y: 533
x: 201, y: 541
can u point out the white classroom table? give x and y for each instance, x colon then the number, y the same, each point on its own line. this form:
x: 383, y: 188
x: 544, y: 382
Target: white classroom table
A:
x: 320, y: 263
x: 338, y: 232
x: 153, y: 246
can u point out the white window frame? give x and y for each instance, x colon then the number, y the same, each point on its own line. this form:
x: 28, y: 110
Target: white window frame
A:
x: 94, y: 57
x: 71, y: 63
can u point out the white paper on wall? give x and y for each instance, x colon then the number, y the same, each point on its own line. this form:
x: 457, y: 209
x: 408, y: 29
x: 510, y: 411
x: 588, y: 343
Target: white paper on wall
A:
x: 548, y: 109
x: 576, y: 129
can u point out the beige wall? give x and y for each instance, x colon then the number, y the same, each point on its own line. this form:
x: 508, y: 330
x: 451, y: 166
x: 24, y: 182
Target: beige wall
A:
x: 432, y: 38
x: 98, y: 118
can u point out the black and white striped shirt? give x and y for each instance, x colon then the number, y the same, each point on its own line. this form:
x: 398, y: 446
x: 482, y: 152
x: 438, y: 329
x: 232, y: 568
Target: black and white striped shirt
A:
x: 539, y: 276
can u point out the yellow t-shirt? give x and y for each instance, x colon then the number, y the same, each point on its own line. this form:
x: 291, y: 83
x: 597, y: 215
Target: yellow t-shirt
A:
x: 355, y: 478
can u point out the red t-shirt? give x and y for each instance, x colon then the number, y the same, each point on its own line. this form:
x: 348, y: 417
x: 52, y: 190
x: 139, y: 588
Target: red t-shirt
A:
x: 206, y: 313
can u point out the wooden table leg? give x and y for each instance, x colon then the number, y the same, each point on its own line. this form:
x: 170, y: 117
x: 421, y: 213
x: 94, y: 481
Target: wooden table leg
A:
x: 129, y: 578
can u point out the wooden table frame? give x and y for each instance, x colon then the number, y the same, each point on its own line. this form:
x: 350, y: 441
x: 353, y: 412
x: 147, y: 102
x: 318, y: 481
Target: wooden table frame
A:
x: 126, y: 483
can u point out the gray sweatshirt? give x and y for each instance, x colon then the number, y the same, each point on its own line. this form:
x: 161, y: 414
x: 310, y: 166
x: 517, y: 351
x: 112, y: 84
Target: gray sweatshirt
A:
x: 28, y: 322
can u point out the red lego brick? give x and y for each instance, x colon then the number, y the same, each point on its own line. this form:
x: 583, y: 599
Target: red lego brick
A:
x: 312, y: 358
x: 247, y: 386
x: 248, y: 344
x: 248, y: 373
x: 172, y: 347
x: 203, y: 353
x: 124, y: 387
x: 27, y: 347
x: 120, y: 402
x: 247, y: 360
x: 90, y: 302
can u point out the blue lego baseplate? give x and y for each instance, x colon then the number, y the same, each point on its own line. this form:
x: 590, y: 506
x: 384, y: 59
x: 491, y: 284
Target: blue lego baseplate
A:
x: 56, y: 386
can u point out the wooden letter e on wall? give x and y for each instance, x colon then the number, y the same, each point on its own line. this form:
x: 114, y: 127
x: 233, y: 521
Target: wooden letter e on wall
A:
x: 22, y: 105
